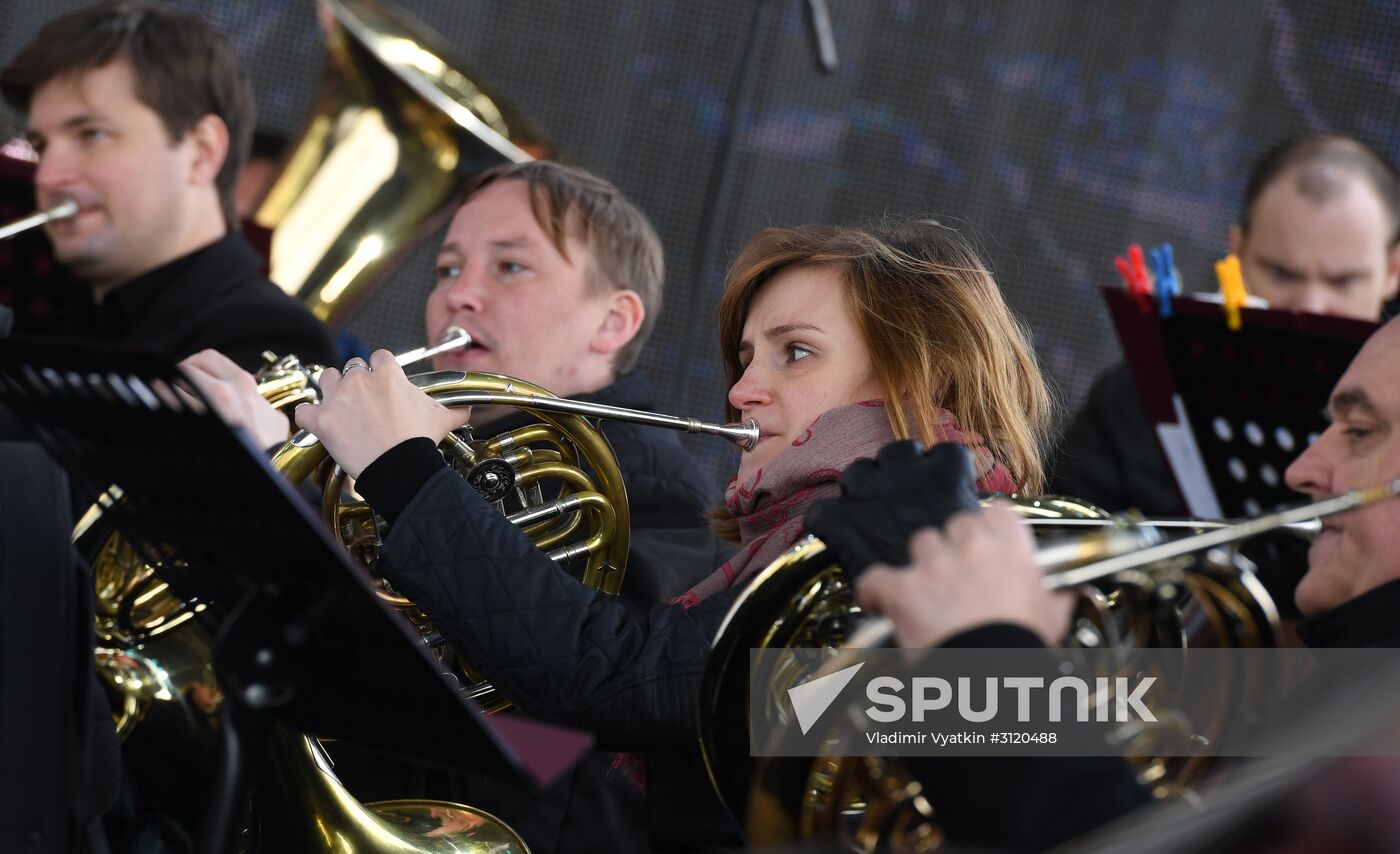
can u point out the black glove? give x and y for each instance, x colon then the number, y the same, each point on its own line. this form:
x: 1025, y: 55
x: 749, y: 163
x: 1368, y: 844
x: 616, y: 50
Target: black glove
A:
x: 885, y: 500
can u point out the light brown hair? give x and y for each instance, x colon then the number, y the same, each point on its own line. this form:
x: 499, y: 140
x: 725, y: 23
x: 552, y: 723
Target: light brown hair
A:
x: 938, y: 331
x: 624, y: 250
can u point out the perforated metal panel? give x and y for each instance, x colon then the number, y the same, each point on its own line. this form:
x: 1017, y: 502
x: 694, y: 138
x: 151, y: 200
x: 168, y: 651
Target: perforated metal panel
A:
x: 1053, y: 131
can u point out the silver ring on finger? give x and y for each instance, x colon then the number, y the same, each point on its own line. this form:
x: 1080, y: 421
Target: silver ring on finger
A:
x: 352, y: 364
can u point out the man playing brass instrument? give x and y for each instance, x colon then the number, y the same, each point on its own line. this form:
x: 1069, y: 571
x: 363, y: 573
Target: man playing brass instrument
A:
x: 557, y: 277
x: 143, y: 115
x: 977, y: 583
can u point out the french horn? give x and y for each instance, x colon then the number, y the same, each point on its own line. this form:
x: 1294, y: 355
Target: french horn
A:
x: 1137, y: 588
x: 156, y: 658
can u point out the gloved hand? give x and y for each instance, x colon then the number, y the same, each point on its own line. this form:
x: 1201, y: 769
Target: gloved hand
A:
x: 885, y: 500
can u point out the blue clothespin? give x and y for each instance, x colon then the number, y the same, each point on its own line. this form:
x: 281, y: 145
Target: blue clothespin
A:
x: 1168, y: 285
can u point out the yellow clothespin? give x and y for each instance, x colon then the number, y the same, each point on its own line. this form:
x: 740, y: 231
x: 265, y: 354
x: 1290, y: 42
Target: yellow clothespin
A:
x: 1231, y: 279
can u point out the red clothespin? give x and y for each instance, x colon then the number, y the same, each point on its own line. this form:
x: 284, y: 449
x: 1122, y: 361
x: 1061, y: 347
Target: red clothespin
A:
x: 1133, y: 269
x: 1232, y: 292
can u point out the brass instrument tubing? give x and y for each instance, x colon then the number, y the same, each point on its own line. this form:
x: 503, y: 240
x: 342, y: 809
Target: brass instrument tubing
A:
x: 1221, y: 536
x: 581, y: 484
x: 460, y: 449
x: 1308, y: 527
x: 531, y: 433
x: 744, y: 435
x: 879, y: 631
x: 552, y: 510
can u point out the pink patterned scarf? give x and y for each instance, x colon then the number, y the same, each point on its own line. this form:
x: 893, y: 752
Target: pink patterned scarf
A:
x: 769, y: 505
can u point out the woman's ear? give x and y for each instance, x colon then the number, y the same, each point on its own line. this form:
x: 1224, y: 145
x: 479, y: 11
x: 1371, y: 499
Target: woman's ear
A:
x: 621, y: 322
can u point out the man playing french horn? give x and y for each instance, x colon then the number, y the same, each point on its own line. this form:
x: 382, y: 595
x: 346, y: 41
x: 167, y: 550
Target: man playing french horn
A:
x: 557, y: 277
x: 976, y: 583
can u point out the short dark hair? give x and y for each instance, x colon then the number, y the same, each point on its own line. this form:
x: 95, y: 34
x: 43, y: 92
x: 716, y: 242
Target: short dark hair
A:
x: 624, y: 247
x: 185, y: 70
x: 1314, y: 159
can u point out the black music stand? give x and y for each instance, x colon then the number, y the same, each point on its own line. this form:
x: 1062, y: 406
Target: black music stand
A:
x: 1232, y: 409
x: 301, y: 638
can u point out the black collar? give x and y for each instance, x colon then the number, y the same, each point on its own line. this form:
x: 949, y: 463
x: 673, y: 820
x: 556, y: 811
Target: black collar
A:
x: 1370, y: 620
x: 176, y: 289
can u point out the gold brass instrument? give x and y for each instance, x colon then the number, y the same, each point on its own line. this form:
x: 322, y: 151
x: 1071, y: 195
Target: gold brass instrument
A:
x: 62, y: 210
x: 133, y: 605
x: 163, y: 679
x: 396, y: 132
x: 1135, y: 590
x: 508, y: 470
x: 511, y: 471
x: 304, y: 786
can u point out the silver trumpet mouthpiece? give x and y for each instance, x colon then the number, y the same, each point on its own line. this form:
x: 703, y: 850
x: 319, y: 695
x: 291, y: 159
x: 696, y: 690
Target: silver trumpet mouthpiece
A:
x: 744, y: 435
x: 65, y: 209
x: 455, y: 337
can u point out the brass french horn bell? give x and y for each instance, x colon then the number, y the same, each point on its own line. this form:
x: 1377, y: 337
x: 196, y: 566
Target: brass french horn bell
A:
x: 868, y: 803
x: 156, y: 658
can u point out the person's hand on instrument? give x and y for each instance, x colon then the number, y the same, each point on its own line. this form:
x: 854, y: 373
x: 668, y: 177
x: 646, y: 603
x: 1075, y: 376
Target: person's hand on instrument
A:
x: 368, y: 409
x: 885, y: 500
x: 979, y: 570
x: 233, y: 393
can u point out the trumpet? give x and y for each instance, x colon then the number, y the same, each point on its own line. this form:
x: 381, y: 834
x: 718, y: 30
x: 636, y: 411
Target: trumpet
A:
x: 65, y: 209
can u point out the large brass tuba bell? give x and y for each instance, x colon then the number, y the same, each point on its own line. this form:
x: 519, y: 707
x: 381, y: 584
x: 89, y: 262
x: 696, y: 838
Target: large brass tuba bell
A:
x: 396, y: 132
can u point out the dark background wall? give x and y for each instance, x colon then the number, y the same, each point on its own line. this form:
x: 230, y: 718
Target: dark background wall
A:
x: 1053, y: 131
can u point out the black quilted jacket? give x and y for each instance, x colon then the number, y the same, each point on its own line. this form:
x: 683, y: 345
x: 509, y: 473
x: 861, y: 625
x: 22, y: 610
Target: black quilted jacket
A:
x: 668, y: 492
x: 548, y: 643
